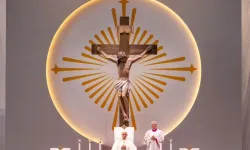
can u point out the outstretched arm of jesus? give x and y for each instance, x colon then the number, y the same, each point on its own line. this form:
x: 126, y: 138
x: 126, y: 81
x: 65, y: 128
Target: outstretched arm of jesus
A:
x: 106, y: 56
x: 135, y: 59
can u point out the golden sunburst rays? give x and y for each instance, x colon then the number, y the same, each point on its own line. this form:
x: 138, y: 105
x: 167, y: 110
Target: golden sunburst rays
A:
x: 111, y: 35
x: 99, y: 85
x: 145, y: 87
x: 91, y: 66
x: 108, y: 97
x: 139, y: 96
x: 100, y: 88
x: 155, y: 77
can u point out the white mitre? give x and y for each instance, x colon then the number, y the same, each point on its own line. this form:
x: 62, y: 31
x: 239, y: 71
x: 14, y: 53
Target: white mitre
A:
x: 118, y: 133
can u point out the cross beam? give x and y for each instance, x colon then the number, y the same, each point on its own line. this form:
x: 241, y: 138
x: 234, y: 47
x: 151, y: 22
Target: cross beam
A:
x: 113, y: 49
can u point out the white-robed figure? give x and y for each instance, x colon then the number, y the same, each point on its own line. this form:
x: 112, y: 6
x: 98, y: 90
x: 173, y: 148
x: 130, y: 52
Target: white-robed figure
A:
x: 154, y: 137
x: 124, y: 143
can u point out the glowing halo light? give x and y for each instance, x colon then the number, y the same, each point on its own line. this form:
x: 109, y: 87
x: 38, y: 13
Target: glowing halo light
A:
x: 57, y: 89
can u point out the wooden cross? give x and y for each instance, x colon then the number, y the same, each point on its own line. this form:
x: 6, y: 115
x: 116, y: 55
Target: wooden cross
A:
x: 124, y: 46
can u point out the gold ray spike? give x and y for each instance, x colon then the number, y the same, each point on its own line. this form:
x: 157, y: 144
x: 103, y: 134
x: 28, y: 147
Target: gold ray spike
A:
x: 149, y: 39
x: 154, y: 86
x: 98, y: 90
x: 124, y: 4
x: 169, y: 77
x: 107, y: 98
x: 132, y: 115
x: 139, y: 95
x: 191, y: 69
x: 155, y: 80
x: 115, y: 116
x: 112, y: 35
x: 142, y: 36
x: 136, y: 34
x: 156, y: 57
x: 91, y: 42
x: 112, y: 102
x: 67, y: 59
x: 105, y: 36
x: 92, y: 80
x: 133, y: 16
x: 103, y: 93
x: 114, y: 16
x: 115, y: 21
x: 145, y: 56
x: 167, y: 61
x: 95, y: 85
x: 79, y: 77
x: 136, y: 103
x: 159, y: 48
x: 150, y: 91
x: 98, y: 39
x: 145, y: 94
x: 87, y: 48
x: 156, y: 42
x: 57, y: 69
x: 93, y: 58
x: 132, y: 19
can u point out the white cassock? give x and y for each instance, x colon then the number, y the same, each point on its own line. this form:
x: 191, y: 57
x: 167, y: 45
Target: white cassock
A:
x: 119, y: 143
x: 154, y: 144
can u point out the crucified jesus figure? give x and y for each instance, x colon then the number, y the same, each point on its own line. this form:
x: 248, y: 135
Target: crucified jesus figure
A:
x: 124, y: 63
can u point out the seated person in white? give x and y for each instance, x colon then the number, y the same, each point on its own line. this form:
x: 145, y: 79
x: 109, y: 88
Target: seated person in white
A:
x: 124, y: 143
x: 118, y: 133
x: 154, y: 137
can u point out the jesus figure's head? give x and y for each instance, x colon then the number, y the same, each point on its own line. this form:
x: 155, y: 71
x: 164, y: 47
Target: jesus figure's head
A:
x: 122, y: 57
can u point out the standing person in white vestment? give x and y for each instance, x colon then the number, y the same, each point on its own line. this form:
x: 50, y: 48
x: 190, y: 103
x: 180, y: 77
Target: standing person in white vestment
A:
x: 124, y: 143
x: 154, y: 137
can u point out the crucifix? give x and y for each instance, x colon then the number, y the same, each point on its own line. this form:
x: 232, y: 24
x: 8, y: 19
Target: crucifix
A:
x: 124, y: 63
